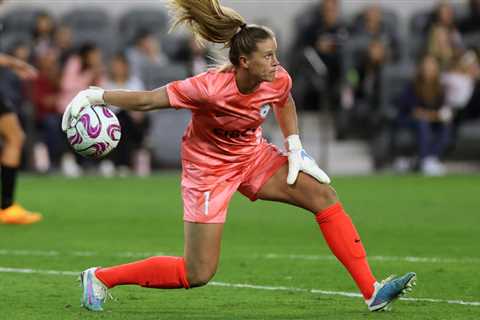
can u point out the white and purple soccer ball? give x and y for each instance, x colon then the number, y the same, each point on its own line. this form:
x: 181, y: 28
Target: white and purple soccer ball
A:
x: 95, y: 133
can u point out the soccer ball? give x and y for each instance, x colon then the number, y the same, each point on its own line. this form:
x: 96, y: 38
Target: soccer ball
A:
x: 95, y: 132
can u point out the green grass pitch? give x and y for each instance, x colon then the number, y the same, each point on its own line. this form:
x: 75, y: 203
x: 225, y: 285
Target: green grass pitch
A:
x: 94, y: 221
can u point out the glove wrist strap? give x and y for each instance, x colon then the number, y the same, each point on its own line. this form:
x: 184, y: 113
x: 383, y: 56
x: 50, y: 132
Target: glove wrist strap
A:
x: 293, y: 143
x: 95, y: 96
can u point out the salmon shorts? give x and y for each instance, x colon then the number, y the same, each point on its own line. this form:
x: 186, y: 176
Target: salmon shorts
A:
x: 207, y: 192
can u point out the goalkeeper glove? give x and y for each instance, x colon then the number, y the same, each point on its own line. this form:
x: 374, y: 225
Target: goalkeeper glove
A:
x: 85, y: 98
x: 299, y: 160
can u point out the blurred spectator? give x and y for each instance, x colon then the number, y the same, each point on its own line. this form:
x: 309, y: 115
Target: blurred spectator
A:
x: 422, y: 106
x: 43, y: 32
x: 320, y: 40
x: 444, y: 41
x: 131, y: 152
x: 145, y: 51
x: 197, y: 56
x: 63, y: 41
x: 82, y: 69
x: 460, y: 80
x: 462, y: 90
x: 120, y: 76
x: 366, y: 79
x: 471, y: 23
x: 444, y: 15
x: 50, y: 143
x: 21, y: 50
x: 372, y: 25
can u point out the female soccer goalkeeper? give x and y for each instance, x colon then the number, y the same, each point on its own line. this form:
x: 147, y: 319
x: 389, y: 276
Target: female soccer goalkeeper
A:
x: 223, y: 151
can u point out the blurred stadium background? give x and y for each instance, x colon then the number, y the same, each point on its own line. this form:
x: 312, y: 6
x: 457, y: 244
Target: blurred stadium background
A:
x: 351, y: 79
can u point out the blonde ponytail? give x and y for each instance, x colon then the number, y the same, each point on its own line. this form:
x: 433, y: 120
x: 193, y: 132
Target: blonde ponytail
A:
x: 207, y: 19
x: 215, y: 23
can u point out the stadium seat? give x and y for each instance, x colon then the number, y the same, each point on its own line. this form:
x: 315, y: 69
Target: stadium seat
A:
x: 353, y: 50
x: 165, y: 136
x: 395, y: 78
x: 9, y: 39
x: 390, y: 20
x: 151, y: 19
x: 20, y: 19
x: 91, y: 19
x: 105, y: 40
x: 167, y: 127
x: 472, y: 40
x: 155, y: 76
x: 420, y: 22
x: 172, y: 44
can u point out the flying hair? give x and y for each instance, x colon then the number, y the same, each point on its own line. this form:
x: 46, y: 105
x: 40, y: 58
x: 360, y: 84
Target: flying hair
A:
x: 207, y: 19
x: 210, y: 21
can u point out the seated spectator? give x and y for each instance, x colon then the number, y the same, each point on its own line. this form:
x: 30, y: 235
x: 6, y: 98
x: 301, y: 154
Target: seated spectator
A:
x: 462, y: 90
x: 146, y: 50
x: 443, y: 45
x: 82, y: 69
x: 460, y: 80
x: 444, y: 41
x: 131, y: 153
x: 471, y: 23
x: 63, y: 41
x: 325, y: 35
x: 373, y: 26
x: 43, y: 32
x: 422, y: 106
x: 198, y: 57
x: 51, y: 142
x: 367, y: 88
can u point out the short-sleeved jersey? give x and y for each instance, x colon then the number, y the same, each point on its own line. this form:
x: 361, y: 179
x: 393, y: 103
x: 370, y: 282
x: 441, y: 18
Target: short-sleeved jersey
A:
x: 225, y: 126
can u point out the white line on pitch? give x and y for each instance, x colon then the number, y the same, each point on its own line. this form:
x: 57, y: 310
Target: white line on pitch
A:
x: 377, y: 258
x: 252, y: 286
x: 53, y: 253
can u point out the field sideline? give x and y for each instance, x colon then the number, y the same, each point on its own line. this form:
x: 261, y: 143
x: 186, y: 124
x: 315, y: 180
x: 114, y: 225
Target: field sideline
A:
x: 274, y: 263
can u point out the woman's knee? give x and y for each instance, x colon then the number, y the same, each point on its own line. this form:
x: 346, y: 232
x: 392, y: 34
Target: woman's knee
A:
x: 198, y: 277
x: 326, y: 194
x: 318, y: 196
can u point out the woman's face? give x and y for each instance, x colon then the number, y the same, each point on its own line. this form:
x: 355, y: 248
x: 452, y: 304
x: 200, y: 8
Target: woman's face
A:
x: 63, y: 37
x: 22, y: 52
x: 445, y: 14
x: 44, y: 25
x: 373, y: 17
x: 119, y: 68
x: 94, y: 58
x: 263, y: 63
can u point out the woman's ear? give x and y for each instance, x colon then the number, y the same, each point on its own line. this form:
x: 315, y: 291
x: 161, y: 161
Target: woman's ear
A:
x: 243, y: 62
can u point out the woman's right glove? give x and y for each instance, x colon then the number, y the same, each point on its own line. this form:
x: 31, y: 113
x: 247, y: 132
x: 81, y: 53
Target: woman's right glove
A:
x: 85, y: 98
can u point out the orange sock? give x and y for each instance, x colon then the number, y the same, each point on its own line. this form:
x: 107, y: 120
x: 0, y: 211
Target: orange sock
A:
x: 345, y: 243
x: 154, y: 272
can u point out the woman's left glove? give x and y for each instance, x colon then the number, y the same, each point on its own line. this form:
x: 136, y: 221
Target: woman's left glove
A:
x: 299, y: 160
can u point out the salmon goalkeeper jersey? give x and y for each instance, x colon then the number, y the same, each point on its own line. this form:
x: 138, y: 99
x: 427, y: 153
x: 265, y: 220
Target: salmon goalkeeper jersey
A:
x: 225, y: 128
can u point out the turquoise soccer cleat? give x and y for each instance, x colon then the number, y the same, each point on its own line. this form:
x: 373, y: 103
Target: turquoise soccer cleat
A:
x: 94, y: 291
x: 389, y: 290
